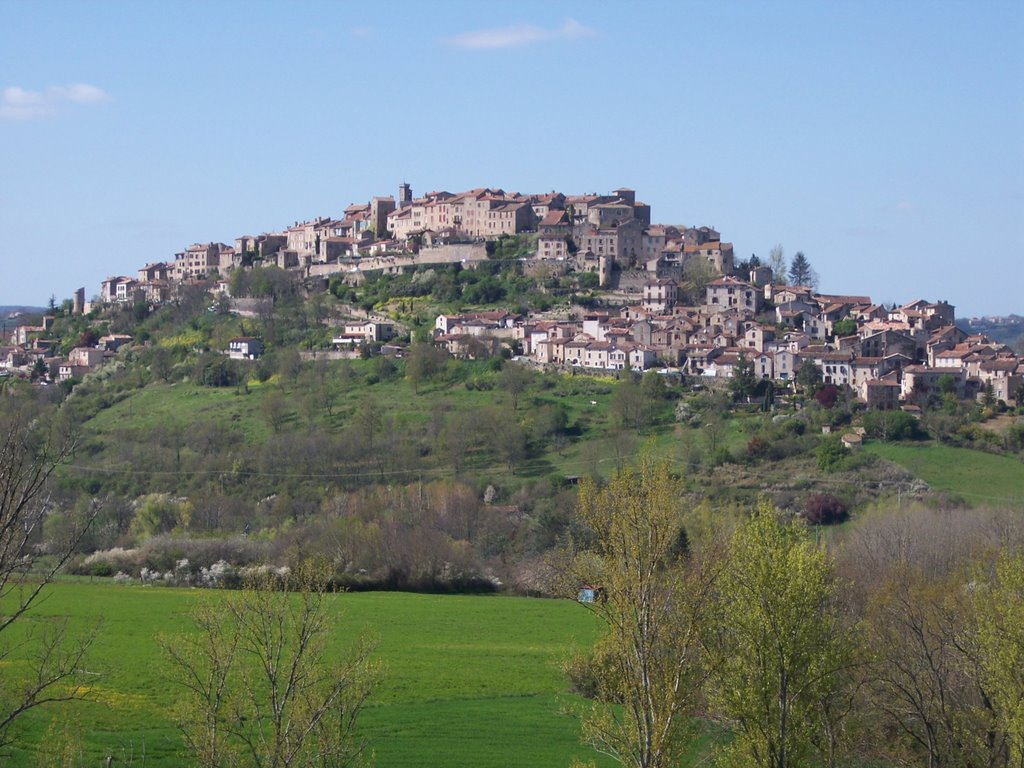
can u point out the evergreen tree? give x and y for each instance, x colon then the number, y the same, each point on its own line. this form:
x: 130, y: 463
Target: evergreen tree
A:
x: 801, y: 272
x: 744, y: 381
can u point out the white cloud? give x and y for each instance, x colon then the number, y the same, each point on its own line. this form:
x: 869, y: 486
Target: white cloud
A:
x: 20, y: 104
x: 83, y: 93
x: 899, y: 207
x: 360, y: 32
x: 519, y: 35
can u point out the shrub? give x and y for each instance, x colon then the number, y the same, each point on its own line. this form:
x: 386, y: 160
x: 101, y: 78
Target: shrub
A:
x: 827, y: 396
x: 108, y: 562
x: 721, y: 456
x: 831, y: 453
x: 100, y: 568
x: 592, y: 674
x: 824, y: 509
x: 890, y: 425
x: 183, y: 556
x: 758, y: 447
x: 783, y: 448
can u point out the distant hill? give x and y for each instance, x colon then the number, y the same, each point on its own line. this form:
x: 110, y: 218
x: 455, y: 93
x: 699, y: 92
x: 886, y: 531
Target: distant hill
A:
x: 11, y: 317
x: 6, y: 312
x: 1005, y: 330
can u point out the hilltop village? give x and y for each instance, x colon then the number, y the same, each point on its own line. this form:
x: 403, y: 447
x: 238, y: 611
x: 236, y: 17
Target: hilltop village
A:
x: 670, y: 297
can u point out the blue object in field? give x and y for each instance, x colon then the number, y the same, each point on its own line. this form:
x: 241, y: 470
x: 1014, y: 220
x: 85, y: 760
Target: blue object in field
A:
x: 586, y: 595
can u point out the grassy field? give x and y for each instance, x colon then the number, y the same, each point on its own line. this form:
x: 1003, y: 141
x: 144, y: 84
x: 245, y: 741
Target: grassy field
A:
x: 468, y: 681
x: 186, y: 407
x: 979, y: 478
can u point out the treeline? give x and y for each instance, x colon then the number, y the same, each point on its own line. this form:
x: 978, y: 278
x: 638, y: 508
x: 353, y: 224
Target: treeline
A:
x: 435, y: 537
x: 901, y: 643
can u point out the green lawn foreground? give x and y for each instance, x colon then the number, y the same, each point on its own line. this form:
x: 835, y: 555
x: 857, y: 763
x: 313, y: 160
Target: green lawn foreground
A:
x: 468, y: 680
x: 981, y: 479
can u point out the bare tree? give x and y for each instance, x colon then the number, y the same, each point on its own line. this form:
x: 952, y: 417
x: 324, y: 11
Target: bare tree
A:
x: 777, y: 261
x: 30, y: 450
x: 514, y: 379
x: 258, y: 685
x: 917, y: 597
x: 203, y: 665
x: 275, y: 409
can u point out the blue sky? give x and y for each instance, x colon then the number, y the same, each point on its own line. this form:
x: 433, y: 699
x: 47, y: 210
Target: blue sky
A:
x: 884, y: 140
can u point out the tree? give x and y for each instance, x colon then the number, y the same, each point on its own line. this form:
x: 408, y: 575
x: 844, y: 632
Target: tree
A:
x: 156, y: 513
x: 636, y: 403
x: 30, y: 451
x: 652, y: 607
x: 258, y: 686
x: 652, y: 387
x: 827, y: 396
x: 39, y: 369
x: 384, y: 368
x: 744, y: 381
x: 289, y: 364
x: 920, y: 604
x: 988, y: 396
x: 778, y: 650
x: 161, y: 363
x: 845, y: 327
x: 831, y: 453
x: 369, y: 418
x: 808, y: 376
x: 697, y: 273
x: 747, y: 265
x: 422, y: 362
x: 801, y: 272
x: 455, y: 438
x: 946, y: 384
x: 824, y: 509
x: 514, y: 379
x: 777, y: 261
x: 714, y: 431
x: 890, y: 425
x: 628, y: 404
x: 510, y: 441
x: 275, y: 409
x: 1000, y: 637
x: 922, y: 684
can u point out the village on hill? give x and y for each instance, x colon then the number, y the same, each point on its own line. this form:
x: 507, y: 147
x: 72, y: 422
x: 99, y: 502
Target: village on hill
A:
x: 740, y: 319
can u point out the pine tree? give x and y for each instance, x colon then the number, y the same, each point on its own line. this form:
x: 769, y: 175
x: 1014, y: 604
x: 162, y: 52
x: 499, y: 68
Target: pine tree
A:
x: 801, y: 272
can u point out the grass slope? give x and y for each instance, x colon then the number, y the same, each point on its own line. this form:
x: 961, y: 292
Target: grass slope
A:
x: 468, y: 681
x: 979, y: 478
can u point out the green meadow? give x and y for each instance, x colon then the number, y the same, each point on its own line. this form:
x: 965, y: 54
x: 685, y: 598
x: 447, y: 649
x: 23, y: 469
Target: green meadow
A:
x: 594, y: 446
x: 980, y: 479
x: 467, y: 681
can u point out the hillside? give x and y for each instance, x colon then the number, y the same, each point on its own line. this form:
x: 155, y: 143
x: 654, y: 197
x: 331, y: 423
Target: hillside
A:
x: 425, y: 430
x: 431, y: 460
x: 1007, y: 330
x: 447, y: 467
